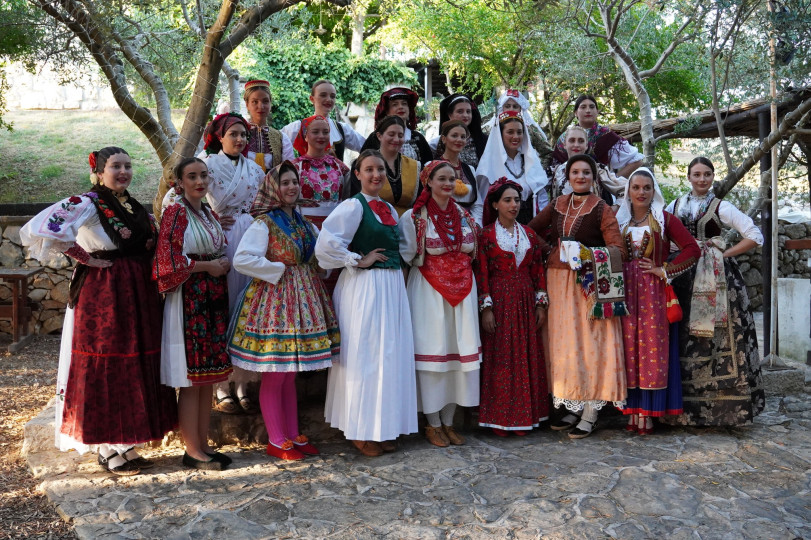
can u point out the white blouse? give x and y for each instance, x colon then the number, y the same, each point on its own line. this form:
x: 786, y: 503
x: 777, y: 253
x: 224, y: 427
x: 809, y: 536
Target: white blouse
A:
x: 250, y: 258
x: 730, y: 216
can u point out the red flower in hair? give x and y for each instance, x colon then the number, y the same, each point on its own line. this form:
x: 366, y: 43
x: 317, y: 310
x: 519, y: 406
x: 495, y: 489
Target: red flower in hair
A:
x: 91, y: 159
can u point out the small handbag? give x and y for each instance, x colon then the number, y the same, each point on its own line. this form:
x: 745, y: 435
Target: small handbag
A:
x: 674, y: 312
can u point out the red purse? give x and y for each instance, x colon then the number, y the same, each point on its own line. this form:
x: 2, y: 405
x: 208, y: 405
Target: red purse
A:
x: 674, y: 312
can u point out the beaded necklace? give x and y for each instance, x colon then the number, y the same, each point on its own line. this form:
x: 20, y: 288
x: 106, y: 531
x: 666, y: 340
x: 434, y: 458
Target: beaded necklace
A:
x: 448, y: 224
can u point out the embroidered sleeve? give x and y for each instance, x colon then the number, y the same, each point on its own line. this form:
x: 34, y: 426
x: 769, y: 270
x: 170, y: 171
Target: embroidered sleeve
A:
x: 171, y: 267
x: 689, y: 250
x: 78, y: 253
x: 481, y: 271
x: 55, y: 229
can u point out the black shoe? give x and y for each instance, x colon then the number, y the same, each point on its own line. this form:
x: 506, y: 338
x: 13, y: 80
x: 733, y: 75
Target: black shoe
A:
x: 222, y: 458
x: 140, y: 461
x: 128, y: 468
x: 562, y: 425
x: 210, y: 465
x: 578, y: 433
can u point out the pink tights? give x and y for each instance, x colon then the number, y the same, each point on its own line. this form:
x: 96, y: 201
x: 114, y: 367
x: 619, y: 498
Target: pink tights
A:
x: 277, y: 399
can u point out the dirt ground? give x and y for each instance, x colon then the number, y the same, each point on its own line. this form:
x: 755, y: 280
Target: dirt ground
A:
x: 27, y: 382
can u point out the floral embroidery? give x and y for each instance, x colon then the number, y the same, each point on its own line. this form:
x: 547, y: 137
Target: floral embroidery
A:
x: 58, y: 218
x: 117, y: 224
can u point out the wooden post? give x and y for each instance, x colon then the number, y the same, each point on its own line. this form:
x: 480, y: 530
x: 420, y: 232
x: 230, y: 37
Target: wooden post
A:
x: 766, y: 229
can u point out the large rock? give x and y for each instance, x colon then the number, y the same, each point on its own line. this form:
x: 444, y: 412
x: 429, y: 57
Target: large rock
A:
x: 752, y: 278
x: 12, y: 232
x: 10, y: 255
x: 52, y: 324
x: 61, y: 293
x: 795, y: 230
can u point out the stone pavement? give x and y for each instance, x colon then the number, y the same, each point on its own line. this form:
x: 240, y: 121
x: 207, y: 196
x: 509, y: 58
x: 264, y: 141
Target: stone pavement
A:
x: 678, y: 483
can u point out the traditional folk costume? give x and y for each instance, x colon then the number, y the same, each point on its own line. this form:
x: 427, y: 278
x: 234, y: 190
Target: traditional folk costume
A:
x: 510, y: 278
x: 268, y: 147
x: 524, y: 169
x: 474, y: 147
x: 286, y: 323
x: 414, y: 146
x: 371, y: 391
x: 587, y: 363
x: 605, y: 146
x: 108, y: 384
x: 720, y: 362
x: 608, y: 186
x: 403, y: 186
x: 537, y: 138
x: 341, y: 137
x: 441, y: 246
x: 652, y: 373
x: 195, y: 316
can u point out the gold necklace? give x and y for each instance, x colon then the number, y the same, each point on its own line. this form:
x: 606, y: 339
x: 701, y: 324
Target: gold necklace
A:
x: 122, y: 200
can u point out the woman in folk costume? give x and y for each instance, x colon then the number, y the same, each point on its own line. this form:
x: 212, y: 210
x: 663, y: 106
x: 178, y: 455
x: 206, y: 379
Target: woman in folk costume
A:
x: 109, y: 394
x: 508, y: 154
x: 607, y: 185
x: 587, y: 362
x: 266, y: 146
x: 402, y: 172
x: 605, y: 146
x: 371, y: 391
x: 402, y: 102
x: 233, y: 183
x: 452, y: 141
x: 190, y: 267
x: 513, y: 302
x: 720, y: 362
x: 286, y: 323
x: 513, y: 100
x: 461, y: 108
x: 341, y: 135
x: 652, y: 368
x: 438, y: 239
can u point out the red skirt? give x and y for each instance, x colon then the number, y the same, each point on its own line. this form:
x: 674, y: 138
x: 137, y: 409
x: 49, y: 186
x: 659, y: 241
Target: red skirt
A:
x: 114, y: 394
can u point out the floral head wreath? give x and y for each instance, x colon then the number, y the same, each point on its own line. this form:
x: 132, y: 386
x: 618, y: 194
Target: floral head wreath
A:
x: 506, y: 116
x: 512, y: 93
x: 489, y: 214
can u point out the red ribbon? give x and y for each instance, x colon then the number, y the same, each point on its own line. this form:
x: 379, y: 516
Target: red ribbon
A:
x: 383, y: 212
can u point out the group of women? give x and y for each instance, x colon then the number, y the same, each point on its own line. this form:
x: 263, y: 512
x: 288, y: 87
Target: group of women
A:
x: 431, y: 275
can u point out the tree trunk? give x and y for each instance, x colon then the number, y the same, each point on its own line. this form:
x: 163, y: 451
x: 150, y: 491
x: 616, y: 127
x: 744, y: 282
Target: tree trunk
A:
x: 232, y: 76
x: 358, y: 12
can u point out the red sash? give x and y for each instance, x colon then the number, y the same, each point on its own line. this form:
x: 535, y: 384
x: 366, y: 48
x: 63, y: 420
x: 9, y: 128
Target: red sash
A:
x: 450, y: 274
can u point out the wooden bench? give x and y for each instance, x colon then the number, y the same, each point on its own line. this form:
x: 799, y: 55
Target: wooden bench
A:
x: 19, y: 310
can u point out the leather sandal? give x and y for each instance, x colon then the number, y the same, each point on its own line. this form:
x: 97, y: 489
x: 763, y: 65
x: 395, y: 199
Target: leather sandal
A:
x: 453, y: 437
x: 388, y: 446
x: 128, y: 468
x: 247, y: 405
x: 436, y: 436
x: 140, y: 461
x: 226, y: 405
x: 563, y: 424
x: 368, y: 448
x: 579, y: 433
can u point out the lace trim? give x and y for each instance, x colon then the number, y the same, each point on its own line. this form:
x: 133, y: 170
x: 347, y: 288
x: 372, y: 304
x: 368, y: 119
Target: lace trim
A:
x: 509, y: 243
x: 576, y: 405
x: 541, y: 299
x: 351, y: 260
x: 485, y: 302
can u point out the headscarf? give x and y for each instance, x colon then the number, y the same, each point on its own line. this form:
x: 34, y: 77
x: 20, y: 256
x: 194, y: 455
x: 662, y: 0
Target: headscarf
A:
x: 425, y: 175
x: 268, y: 199
x: 300, y: 144
x: 493, y: 161
x: 475, y: 126
x: 625, y: 212
x: 216, y: 129
x: 381, y: 111
x: 523, y: 102
x: 490, y: 214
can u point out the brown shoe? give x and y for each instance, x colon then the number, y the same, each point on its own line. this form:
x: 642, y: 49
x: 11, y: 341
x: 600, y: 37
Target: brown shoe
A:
x: 436, y: 436
x: 388, y: 446
x: 453, y: 437
x: 368, y: 448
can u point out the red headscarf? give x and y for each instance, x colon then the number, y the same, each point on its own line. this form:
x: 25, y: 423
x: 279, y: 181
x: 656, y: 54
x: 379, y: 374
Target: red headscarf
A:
x: 300, y: 144
x: 381, y: 111
x: 215, y: 130
x: 425, y: 175
x: 490, y: 214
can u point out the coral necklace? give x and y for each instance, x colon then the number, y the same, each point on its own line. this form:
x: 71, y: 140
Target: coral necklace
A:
x: 448, y: 223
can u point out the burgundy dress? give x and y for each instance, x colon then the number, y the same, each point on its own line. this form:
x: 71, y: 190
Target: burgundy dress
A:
x: 514, y: 392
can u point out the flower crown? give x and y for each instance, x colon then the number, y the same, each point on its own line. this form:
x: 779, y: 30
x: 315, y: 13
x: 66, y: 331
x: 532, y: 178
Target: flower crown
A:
x: 510, y: 115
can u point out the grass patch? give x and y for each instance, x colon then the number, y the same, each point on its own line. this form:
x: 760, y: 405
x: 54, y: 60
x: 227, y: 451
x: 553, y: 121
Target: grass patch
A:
x: 45, y: 158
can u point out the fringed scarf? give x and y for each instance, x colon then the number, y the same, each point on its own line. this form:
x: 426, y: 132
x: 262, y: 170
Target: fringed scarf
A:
x: 600, y: 277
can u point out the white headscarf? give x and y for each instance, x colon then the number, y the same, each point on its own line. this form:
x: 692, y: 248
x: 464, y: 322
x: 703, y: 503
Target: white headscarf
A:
x: 523, y: 102
x: 625, y: 212
x: 492, y: 164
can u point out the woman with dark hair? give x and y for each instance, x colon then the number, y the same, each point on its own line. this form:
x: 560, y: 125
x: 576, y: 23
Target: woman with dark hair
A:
x: 341, y: 135
x: 438, y: 239
x: 586, y: 298
x: 371, y: 390
x: 266, y: 146
x: 402, y: 102
x: 402, y: 172
x: 720, y: 372
x: 459, y: 107
x: 190, y: 267
x: 452, y: 142
x: 509, y: 155
x: 513, y: 100
x: 109, y: 394
x: 233, y: 183
x: 605, y: 146
x: 513, y: 302
x: 286, y: 323
x: 651, y: 343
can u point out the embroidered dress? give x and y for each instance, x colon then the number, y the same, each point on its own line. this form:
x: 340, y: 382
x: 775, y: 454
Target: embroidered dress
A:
x: 586, y: 359
x: 268, y: 147
x: 371, y: 390
x: 342, y: 137
x: 286, y: 323
x: 321, y: 181
x: 510, y: 278
x: 195, y: 316
x: 108, y: 381
x: 721, y: 377
x: 442, y: 296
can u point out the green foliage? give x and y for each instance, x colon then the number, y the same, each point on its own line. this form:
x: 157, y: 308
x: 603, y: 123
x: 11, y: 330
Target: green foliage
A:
x: 292, y: 68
